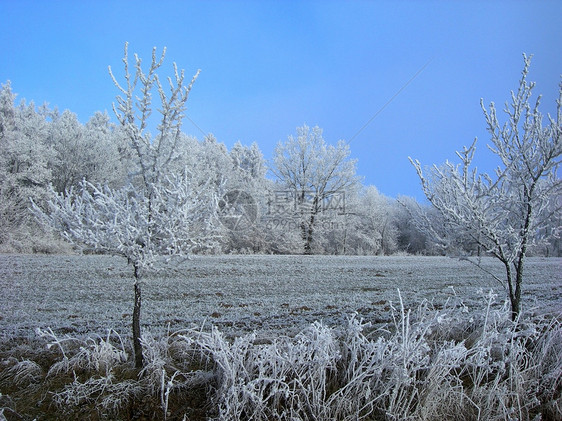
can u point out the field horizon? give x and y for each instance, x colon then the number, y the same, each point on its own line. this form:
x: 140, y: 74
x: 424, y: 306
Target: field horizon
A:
x: 271, y: 294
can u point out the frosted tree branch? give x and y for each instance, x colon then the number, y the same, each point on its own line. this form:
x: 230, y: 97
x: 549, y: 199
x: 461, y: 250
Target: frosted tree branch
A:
x: 507, y: 212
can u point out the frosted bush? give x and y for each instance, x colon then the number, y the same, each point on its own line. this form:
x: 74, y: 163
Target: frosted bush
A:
x: 104, y: 392
x: 417, y: 367
x: 22, y: 373
x: 407, y: 372
x: 95, y: 354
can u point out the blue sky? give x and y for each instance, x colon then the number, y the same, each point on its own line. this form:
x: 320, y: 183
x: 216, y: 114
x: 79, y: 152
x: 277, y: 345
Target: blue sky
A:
x: 270, y: 66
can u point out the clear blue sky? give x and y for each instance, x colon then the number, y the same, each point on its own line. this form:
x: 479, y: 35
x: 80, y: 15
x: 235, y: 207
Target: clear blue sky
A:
x: 270, y: 66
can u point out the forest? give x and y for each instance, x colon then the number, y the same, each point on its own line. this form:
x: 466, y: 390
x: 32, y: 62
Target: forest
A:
x: 42, y: 148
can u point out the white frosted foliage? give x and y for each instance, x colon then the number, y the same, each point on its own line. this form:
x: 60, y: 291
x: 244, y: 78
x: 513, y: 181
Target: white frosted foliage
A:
x: 516, y: 207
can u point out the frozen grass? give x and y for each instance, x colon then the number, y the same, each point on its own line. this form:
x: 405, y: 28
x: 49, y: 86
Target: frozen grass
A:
x: 426, y: 364
x: 242, y: 294
x: 278, y: 337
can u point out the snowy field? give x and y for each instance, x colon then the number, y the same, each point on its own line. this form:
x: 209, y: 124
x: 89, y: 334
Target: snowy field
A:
x: 273, y: 295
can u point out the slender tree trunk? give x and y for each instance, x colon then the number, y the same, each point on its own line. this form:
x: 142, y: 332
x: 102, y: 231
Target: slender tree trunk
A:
x: 516, y: 299
x: 315, y: 210
x: 304, y: 236
x: 383, y: 236
x: 516, y: 302
x: 139, y: 362
x: 512, y: 295
x: 514, y: 287
x: 309, y: 234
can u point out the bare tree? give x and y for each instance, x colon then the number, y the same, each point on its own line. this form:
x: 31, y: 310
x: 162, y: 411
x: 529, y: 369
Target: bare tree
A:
x: 508, y: 211
x: 158, y: 212
x: 314, y: 172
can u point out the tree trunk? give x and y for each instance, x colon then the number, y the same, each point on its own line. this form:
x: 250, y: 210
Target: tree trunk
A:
x: 512, y: 295
x: 139, y: 362
x: 309, y: 233
x: 514, y: 288
x: 516, y: 301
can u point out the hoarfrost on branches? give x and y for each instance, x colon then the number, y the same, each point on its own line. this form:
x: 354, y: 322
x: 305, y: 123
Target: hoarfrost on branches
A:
x: 517, y: 206
x: 120, y: 222
x: 313, y: 171
x: 159, y: 211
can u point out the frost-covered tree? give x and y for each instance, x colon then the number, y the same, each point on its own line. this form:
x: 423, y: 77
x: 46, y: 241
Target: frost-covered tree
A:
x: 377, y: 220
x: 66, y: 139
x: 508, y: 211
x: 249, y: 162
x: 313, y: 172
x: 108, y: 154
x: 158, y: 212
x: 367, y: 227
x: 24, y: 171
x: 213, y: 162
x: 95, y: 151
x: 410, y: 237
x: 247, y: 187
x: 7, y: 109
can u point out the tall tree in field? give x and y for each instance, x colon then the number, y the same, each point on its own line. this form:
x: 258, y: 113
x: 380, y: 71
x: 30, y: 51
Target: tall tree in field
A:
x: 314, y: 173
x: 158, y: 212
x: 508, y: 211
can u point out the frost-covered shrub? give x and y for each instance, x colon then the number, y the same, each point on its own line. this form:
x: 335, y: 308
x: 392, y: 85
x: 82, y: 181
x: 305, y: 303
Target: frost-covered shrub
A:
x: 95, y: 354
x: 428, y: 363
x: 408, y: 371
x: 511, y: 211
x: 21, y: 373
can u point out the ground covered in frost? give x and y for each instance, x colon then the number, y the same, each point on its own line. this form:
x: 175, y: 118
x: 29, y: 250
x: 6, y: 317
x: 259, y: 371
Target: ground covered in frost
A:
x: 279, y: 338
x: 269, y: 294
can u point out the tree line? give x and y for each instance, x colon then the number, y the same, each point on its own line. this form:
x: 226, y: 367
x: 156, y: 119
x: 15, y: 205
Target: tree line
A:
x: 307, y: 199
